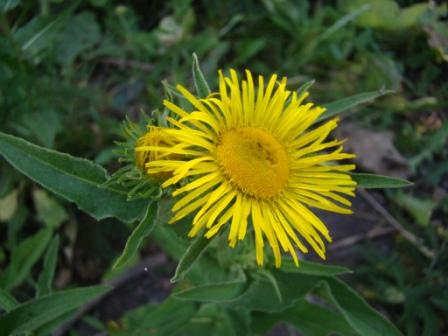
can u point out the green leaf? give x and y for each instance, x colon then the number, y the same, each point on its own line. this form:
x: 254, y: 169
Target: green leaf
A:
x: 44, y: 283
x: 210, y: 319
x: 295, y: 287
x: 347, y: 103
x: 162, y: 319
x: 436, y: 142
x: 15, y: 226
x: 387, y: 14
x: 312, y: 268
x: 23, y: 259
x: 8, y: 178
x: 142, y: 230
x: 7, y: 301
x: 191, y: 255
x: 172, y: 244
x: 77, y: 180
x: 309, y: 49
x: 215, y: 292
x: 80, y: 33
x: 7, y: 5
x: 373, y: 181
x: 261, y: 296
x: 39, y: 34
x: 315, y: 320
x: 262, y: 273
x: 51, y: 326
x: 224, y: 292
x: 309, y: 319
x: 361, y: 317
x: 43, y: 125
x: 247, y: 48
x: 342, y: 22
x: 37, y: 312
x: 201, y: 85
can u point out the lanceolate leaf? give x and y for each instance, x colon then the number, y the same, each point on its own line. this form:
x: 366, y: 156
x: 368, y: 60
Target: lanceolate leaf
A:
x: 371, y: 181
x: 294, y: 287
x: 345, y: 104
x: 36, y: 313
x: 262, y: 273
x: 202, y: 88
x: 192, y: 254
x: 315, y: 320
x: 312, y: 319
x: 77, y: 180
x: 44, y: 284
x: 51, y: 326
x: 361, y: 317
x: 142, y: 230
x: 308, y: 318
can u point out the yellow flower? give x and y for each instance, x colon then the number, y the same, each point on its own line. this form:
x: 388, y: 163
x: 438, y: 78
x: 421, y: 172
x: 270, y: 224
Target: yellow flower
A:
x: 155, y: 136
x: 250, y: 159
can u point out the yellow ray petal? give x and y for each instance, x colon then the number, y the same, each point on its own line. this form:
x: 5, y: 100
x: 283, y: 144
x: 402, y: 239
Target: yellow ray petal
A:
x: 188, y: 209
x: 216, y: 176
x: 236, y: 220
x: 261, y: 222
x: 215, y: 196
x: 305, y: 229
x: 223, y: 220
x: 193, y: 195
x: 289, y: 230
x: 210, y: 216
x: 245, y: 211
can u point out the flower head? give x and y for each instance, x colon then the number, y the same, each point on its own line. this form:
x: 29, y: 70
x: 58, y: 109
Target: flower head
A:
x: 158, y: 137
x: 252, y: 163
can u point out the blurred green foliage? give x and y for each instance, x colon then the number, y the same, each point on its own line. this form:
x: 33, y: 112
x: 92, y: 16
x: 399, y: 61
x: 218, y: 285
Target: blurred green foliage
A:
x: 69, y: 73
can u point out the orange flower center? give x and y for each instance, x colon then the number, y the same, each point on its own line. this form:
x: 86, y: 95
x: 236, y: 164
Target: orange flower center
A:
x: 254, y: 161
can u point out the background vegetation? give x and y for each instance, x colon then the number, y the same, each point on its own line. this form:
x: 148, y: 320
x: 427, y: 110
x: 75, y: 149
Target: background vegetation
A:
x: 70, y: 73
